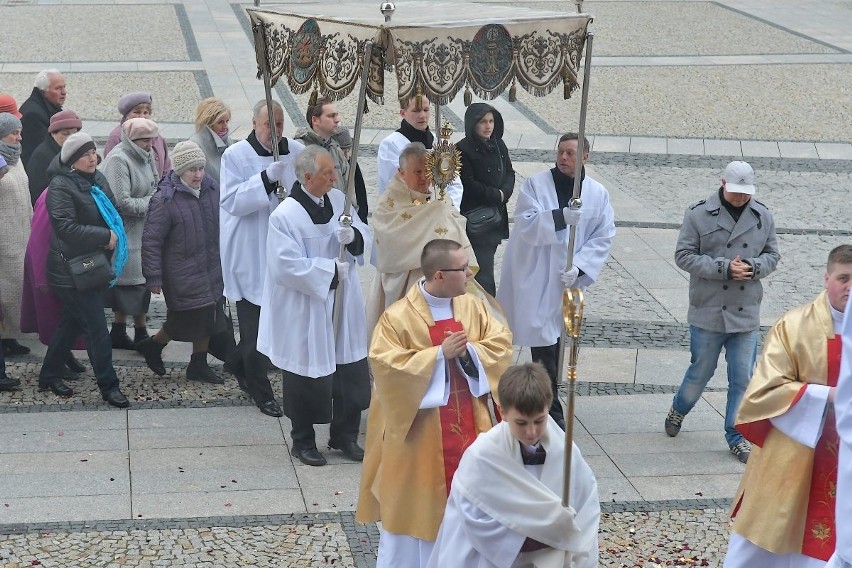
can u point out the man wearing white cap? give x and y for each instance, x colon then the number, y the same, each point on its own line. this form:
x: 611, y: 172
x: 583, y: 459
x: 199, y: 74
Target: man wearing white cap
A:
x: 727, y: 244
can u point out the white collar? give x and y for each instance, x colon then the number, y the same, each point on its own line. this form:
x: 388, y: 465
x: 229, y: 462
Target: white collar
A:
x: 434, y: 301
x: 837, y: 319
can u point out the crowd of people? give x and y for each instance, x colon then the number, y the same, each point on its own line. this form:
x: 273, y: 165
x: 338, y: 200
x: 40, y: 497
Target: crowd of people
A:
x: 427, y: 347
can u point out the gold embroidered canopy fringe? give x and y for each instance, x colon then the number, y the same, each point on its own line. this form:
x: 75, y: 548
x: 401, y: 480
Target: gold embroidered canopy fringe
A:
x: 322, y: 47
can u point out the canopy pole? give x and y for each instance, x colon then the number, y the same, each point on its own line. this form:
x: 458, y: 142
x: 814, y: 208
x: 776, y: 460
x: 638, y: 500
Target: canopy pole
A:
x: 260, y: 39
x: 572, y: 300
x: 346, y: 219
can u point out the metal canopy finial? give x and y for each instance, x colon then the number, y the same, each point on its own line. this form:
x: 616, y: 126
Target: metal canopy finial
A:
x: 388, y: 8
x: 579, y: 4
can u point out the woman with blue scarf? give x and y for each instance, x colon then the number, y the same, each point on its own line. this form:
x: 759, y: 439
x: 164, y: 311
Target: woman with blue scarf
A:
x: 85, y: 222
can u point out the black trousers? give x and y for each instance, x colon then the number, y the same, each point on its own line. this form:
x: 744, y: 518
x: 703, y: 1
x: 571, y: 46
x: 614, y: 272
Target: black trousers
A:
x: 549, y: 357
x: 485, y: 257
x: 82, y: 312
x: 254, y: 364
x: 338, y: 399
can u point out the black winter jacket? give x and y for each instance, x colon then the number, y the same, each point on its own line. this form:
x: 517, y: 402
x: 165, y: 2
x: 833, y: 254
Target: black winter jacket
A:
x: 36, y: 112
x: 38, y: 164
x: 78, y: 227
x: 180, y: 244
x: 486, y: 169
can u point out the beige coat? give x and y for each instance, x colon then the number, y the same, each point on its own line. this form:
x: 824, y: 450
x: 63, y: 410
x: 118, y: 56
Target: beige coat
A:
x: 16, y: 214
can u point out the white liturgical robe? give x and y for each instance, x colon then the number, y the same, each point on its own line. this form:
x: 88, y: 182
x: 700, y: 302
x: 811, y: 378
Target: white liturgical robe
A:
x: 497, y: 502
x: 244, y: 212
x: 299, y: 272
x: 530, y: 288
x: 843, y: 408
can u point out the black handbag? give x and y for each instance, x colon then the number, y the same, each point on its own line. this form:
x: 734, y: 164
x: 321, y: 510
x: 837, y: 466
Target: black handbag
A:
x: 222, y: 343
x: 483, y: 220
x: 88, y: 271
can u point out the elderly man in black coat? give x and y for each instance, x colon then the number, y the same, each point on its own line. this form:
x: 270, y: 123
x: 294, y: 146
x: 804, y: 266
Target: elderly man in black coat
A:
x: 47, y: 99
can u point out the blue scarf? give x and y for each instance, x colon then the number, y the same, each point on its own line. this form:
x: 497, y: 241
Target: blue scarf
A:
x: 116, y: 225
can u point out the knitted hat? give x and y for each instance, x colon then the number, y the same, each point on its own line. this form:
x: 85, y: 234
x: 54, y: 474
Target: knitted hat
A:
x: 8, y: 123
x: 64, y: 119
x: 137, y: 128
x: 75, y: 146
x: 187, y: 155
x: 8, y: 104
x: 130, y: 100
x: 342, y: 137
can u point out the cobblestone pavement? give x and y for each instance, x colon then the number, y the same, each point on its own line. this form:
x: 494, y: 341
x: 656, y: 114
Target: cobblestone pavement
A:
x: 691, y: 537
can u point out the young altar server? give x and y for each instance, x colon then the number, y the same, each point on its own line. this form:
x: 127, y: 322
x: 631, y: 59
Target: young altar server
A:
x: 505, y: 507
x: 324, y: 366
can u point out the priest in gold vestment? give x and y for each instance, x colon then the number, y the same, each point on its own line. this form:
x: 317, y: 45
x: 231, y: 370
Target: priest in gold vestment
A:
x: 435, y: 356
x: 784, y: 509
x: 406, y: 218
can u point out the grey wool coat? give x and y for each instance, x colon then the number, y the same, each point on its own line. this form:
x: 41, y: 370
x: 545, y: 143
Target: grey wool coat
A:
x: 709, y: 240
x: 132, y: 176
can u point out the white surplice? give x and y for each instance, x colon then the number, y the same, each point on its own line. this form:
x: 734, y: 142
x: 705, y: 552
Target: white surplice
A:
x: 530, y: 288
x: 497, y: 502
x: 299, y: 270
x: 244, y: 217
x: 843, y: 412
x: 388, y: 164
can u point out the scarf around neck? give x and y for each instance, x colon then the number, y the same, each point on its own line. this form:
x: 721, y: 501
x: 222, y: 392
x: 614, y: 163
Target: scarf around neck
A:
x: 10, y: 152
x: 116, y: 225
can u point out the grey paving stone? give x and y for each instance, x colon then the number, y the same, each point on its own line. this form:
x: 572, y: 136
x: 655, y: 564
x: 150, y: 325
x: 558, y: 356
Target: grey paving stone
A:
x: 63, y: 421
x: 616, y: 489
x: 238, y: 417
x: 66, y: 508
x: 603, y: 467
x: 224, y: 478
x: 63, y: 484
x: 763, y: 149
x: 828, y: 151
x: 206, y: 458
x: 642, y: 443
x: 211, y: 504
x: 64, y: 441
x: 659, y: 487
x: 610, y: 365
x: 647, y: 145
x: 666, y: 367
x: 798, y: 150
x: 605, y: 423
x: 204, y: 436
x: 611, y: 144
x: 685, y: 464
x: 722, y: 147
x: 685, y: 146
x: 330, y: 488
x: 114, y: 463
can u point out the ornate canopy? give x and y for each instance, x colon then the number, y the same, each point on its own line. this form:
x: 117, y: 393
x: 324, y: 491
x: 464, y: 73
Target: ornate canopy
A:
x: 436, y: 48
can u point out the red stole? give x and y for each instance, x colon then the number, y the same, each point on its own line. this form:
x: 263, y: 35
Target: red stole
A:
x: 458, y: 429
x: 819, y: 538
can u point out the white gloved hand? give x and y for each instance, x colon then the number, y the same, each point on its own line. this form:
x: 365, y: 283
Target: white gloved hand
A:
x: 345, y: 235
x: 275, y: 171
x: 569, y: 277
x: 342, y: 270
x: 572, y: 216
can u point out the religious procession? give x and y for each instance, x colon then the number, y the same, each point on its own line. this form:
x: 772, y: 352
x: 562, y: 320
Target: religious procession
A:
x: 396, y: 315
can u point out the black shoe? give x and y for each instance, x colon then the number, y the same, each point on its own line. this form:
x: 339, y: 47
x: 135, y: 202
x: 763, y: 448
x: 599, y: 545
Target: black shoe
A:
x: 309, y: 456
x: 11, y: 347
x: 153, y: 353
x: 8, y: 383
x: 120, y: 339
x: 116, y: 398
x: 199, y: 370
x: 270, y: 408
x: 139, y: 334
x: 350, y: 449
x: 59, y: 388
x: 74, y: 365
x: 68, y: 374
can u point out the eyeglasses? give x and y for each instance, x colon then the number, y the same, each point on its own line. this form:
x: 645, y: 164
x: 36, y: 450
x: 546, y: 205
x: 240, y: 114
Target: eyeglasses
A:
x: 462, y: 269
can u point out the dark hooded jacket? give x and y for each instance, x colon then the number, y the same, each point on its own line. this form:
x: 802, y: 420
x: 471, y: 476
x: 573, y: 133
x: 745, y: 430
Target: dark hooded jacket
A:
x: 180, y: 244
x: 78, y: 227
x: 486, y: 169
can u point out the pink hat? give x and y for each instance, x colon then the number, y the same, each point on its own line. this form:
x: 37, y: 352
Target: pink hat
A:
x: 137, y: 128
x: 64, y: 119
x: 8, y: 104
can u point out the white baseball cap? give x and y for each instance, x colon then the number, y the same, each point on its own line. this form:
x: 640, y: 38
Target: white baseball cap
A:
x: 739, y: 178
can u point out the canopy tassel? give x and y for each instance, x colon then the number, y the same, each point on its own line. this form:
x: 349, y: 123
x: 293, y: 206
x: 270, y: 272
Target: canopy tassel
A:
x: 513, y: 92
x: 314, y: 96
x: 566, y: 85
x: 468, y: 96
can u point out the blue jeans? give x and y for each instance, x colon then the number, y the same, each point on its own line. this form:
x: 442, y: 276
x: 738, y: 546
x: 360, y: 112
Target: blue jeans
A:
x: 82, y: 312
x: 740, y: 354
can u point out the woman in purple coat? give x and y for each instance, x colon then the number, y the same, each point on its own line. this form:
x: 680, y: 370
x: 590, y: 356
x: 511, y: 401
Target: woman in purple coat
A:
x: 180, y: 259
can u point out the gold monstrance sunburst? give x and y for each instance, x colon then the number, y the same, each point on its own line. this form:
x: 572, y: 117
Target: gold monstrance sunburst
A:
x: 444, y: 162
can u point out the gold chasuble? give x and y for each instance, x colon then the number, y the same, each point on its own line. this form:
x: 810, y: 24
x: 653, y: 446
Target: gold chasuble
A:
x: 403, y: 480
x: 402, y: 223
x: 785, y: 503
